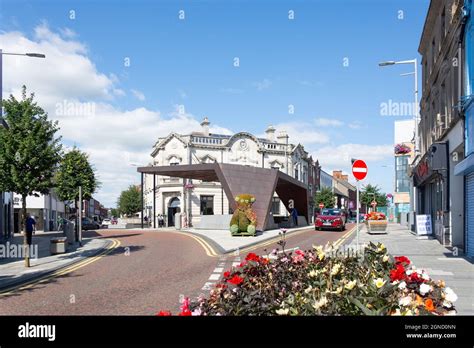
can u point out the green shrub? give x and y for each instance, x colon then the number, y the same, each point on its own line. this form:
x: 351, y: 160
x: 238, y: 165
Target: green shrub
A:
x: 251, y: 229
x: 234, y: 228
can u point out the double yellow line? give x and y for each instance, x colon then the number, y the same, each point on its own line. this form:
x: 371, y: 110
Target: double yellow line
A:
x: 206, y: 246
x: 115, y: 244
x: 341, y: 240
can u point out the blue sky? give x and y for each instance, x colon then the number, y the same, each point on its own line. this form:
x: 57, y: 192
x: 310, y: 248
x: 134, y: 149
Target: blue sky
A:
x: 283, y: 62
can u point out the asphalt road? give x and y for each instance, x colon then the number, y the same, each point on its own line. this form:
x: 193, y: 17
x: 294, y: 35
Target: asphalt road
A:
x: 148, y: 272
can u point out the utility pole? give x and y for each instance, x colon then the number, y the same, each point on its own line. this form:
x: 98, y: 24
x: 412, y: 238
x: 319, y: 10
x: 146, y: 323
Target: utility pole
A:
x: 79, y: 225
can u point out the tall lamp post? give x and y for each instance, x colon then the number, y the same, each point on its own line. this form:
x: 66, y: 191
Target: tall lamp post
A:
x: 32, y: 55
x: 416, y: 118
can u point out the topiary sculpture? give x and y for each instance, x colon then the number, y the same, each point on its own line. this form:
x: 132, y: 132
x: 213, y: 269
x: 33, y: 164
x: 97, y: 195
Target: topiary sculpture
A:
x: 244, y: 219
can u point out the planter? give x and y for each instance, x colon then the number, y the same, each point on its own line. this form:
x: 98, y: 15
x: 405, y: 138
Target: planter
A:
x: 377, y: 226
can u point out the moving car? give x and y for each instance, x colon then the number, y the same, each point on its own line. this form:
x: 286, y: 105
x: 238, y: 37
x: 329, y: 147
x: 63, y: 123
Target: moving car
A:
x: 89, y: 224
x: 330, y: 218
x: 106, y: 223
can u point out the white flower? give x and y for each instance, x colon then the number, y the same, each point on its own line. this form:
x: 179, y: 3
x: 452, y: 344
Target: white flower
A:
x: 405, y: 301
x: 447, y: 304
x: 308, y: 289
x: 335, y: 270
x: 313, y: 273
x: 408, y: 312
x: 425, y: 276
x: 196, y: 312
x: 424, y: 289
x: 385, y: 258
x: 379, y: 282
x: 402, y: 285
x: 282, y: 311
x: 381, y: 248
x: 450, y: 295
x: 321, y: 303
x: 350, y: 285
x: 397, y: 312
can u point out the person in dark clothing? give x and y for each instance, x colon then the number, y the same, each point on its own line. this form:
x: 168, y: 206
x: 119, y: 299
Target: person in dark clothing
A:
x: 294, y: 215
x: 30, y: 225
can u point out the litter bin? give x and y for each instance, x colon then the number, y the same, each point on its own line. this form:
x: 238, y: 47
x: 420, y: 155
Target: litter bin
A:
x: 70, y: 232
x: 58, y: 245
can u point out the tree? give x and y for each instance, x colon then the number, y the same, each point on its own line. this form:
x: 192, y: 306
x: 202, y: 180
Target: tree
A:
x: 29, y: 153
x: 75, y: 171
x: 129, y: 201
x: 369, y: 192
x: 325, y: 196
x: 114, y: 212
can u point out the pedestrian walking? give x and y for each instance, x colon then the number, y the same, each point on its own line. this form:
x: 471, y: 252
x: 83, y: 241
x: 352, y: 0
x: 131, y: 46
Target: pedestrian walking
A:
x: 161, y: 221
x: 294, y: 215
x: 30, y: 226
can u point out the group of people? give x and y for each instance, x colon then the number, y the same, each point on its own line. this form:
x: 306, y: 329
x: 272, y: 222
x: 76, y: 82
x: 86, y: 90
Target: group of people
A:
x: 161, y: 220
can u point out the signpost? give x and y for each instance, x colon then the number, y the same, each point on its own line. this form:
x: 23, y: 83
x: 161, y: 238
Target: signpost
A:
x: 359, y: 170
x: 321, y: 206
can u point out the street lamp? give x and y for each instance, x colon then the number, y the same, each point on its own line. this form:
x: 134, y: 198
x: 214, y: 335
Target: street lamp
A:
x: 416, y: 116
x: 32, y: 55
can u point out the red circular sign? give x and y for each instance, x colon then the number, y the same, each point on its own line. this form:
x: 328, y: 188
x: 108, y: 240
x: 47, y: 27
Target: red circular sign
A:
x: 359, y: 170
x: 373, y: 204
x: 321, y: 205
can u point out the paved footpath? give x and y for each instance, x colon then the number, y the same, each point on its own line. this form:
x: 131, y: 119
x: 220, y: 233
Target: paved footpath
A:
x: 428, y: 254
x: 13, y: 271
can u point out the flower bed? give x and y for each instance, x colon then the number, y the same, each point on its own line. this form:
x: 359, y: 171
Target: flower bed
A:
x: 376, y: 222
x: 325, y: 282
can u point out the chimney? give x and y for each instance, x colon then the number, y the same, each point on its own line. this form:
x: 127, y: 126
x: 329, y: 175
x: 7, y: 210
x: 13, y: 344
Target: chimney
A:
x: 337, y: 174
x: 345, y: 177
x: 283, y: 137
x: 270, y: 133
x: 205, y: 126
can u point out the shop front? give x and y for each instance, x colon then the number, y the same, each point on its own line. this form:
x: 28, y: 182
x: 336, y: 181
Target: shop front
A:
x: 431, y: 178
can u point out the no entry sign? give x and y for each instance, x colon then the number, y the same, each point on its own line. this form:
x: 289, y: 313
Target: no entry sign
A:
x: 359, y: 170
x: 321, y: 205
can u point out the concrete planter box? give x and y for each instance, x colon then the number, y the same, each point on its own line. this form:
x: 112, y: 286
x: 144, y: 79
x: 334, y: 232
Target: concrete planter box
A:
x: 376, y: 226
x: 58, y: 245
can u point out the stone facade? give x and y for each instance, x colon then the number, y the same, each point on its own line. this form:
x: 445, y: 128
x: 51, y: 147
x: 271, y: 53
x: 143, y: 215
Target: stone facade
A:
x: 194, y: 198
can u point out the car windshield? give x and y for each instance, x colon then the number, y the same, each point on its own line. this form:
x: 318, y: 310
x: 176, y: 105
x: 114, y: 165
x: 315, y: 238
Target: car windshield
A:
x: 333, y: 212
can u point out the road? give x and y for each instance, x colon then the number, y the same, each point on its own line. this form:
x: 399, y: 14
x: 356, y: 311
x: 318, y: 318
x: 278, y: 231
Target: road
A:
x: 148, y: 272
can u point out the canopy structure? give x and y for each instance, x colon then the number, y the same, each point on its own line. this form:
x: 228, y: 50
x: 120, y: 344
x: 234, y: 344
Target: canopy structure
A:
x: 238, y: 179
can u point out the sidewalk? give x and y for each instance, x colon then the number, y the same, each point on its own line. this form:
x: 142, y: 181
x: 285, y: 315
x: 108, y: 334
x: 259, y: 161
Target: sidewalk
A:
x: 13, y: 271
x: 228, y: 243
x: 438, y: 261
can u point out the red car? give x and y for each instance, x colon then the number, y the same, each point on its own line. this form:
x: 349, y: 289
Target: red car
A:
x: 330, y: 219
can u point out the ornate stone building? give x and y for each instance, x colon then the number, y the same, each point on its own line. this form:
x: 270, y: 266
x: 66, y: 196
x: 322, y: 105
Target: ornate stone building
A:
x: 195, y: 198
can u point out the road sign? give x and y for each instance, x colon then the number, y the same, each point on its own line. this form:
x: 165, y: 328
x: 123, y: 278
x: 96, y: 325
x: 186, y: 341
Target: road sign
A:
x: 321, y: 205
x: 359, y: 170
x: 373, y: 204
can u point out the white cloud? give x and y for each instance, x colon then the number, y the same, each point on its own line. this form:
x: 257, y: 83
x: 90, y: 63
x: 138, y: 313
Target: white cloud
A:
x: 328, y: 122
x: 302, y: 132
x: 69, y: 87
x: 139, y: 95
x: 261, y: 85
x: 356, y: 125
x: 339, y: 156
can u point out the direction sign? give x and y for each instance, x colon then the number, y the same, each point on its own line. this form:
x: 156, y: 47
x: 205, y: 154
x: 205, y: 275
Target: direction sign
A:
x: 359, y: 170
x: 321, y: 205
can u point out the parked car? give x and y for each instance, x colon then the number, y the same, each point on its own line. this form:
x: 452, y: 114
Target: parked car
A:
x: 106, y: 223
x: 89, y: 224
x: 330, y: 218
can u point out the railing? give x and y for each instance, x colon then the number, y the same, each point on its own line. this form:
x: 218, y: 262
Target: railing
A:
x: 207, y: 140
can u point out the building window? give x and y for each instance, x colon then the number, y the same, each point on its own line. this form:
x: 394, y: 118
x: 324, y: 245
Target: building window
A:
x: 276, y: 206
x: 207, y: 205
x: 402, y: 181
x: 296, y: 174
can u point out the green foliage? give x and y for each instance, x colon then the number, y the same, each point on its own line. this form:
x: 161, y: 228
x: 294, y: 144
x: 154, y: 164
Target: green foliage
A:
x: 234, y: 228
x: 29, y: 150
x: 325, y: 196
x: 243, y: 221
x: 115, y: 212
x: 74, y: 171
x: 129, y: 201
x: 251, y: 229
x: 367, y: 196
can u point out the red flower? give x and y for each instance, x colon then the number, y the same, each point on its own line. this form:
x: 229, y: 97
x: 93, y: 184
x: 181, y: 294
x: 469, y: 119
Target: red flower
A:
x: 185, y: 313
x: 398, y: 273
x: 242, y: 264
x: 415, y: 278
x: 226, y: 274
x: 164, y: 314
x: 236, y: 280
x: 252, y: 257
x: 402, y: 260
x: 299, y: 252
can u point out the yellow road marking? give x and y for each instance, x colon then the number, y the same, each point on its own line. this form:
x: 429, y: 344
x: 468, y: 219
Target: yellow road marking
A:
x: 339, y: 242
x: 207, y: 247
x: 115, y: 243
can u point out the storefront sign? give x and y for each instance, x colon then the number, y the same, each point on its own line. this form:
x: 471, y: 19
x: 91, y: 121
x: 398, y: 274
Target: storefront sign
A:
x: 423, y: 225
